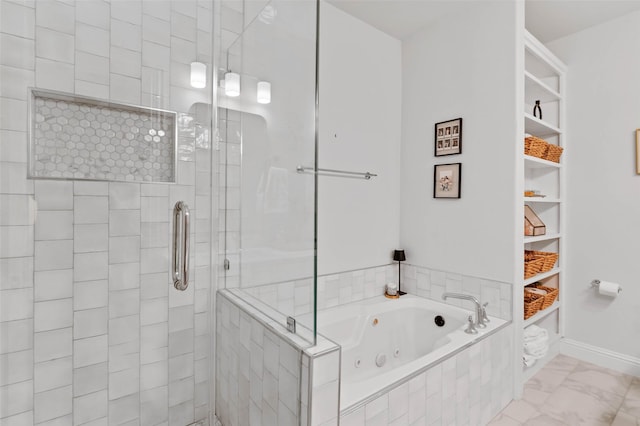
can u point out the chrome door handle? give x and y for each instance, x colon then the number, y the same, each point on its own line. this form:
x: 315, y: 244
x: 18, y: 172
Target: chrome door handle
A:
x: 180, y: 252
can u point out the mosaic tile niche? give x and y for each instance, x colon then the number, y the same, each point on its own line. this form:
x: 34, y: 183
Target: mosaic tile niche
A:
x: 74, y: 137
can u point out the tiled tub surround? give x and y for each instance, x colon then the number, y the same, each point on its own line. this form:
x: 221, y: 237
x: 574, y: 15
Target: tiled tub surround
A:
x: 266, y: 375
x: 90, y: 332
x: 83, y: 138
x: 294, y: 297
x: 468, y: 388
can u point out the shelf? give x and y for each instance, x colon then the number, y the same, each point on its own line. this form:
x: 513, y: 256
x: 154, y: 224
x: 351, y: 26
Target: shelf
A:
x: 542, y: 276
x: 539, y: 128
x: 541, y: 314
x: 545, y: 237
x: 535, y: 90
x: 538, y: 163
x: 554, y: 349
x: 541, y: 200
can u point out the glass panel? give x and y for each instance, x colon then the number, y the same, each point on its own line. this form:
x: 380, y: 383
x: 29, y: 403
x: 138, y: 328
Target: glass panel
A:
x: 269, y: 239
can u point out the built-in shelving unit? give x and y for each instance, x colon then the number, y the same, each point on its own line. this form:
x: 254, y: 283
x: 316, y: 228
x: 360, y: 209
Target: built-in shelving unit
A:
x: 544, y: 81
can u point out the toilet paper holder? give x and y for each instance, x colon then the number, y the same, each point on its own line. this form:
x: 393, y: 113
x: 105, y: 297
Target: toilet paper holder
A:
x: 596, y: 284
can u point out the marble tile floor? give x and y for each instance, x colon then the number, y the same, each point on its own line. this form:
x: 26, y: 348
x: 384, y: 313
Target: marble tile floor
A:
x: 571, y: 392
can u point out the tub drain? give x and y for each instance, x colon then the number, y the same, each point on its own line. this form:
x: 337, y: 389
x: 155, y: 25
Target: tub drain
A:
x: 381, y: 359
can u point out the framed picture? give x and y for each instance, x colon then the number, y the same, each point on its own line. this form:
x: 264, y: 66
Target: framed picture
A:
x: 638, y: 151
x: 448, y: 137
x: 446, y: 180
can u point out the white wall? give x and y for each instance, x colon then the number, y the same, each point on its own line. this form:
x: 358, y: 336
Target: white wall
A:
x: 462, y: 67
x: 603, y: 235
x: 359, y: 130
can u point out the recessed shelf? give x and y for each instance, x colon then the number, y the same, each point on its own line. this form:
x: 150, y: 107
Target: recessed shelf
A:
x: 535, y: 89
x: 536, y: 127
x: 542, y: 276
x: 545, y: 237
x: 531, y: 162
x: 542, y: 314
x: 547, y: 200
x: 554, y: 349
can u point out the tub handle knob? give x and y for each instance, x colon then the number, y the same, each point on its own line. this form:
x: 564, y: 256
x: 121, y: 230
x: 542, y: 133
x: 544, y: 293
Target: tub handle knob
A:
x: 471, y: 327
x: 485, y: 317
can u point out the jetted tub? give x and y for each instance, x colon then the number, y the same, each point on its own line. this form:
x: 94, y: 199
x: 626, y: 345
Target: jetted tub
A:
x: 387, y: 340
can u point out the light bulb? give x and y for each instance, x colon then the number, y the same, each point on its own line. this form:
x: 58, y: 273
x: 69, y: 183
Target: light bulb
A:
x: 232, y: 84
x: 198, y: 75
x: 264, y: 92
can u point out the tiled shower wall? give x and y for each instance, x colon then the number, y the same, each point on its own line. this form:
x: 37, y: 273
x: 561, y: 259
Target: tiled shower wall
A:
x: 91, y: 331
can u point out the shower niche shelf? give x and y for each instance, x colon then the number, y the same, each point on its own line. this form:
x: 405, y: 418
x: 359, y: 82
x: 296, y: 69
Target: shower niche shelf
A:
x: 77, y: 137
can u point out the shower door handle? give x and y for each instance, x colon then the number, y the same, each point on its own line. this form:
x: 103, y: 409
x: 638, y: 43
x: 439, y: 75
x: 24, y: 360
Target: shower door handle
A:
x: 180, y: 253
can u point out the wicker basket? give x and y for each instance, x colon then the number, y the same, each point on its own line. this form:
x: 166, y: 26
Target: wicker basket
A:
x: 553, y: 153
x: 550, y: 297
x: 535, y: 146
x: 532, y: 265
x: 549, y: 258
x: 532, y: 304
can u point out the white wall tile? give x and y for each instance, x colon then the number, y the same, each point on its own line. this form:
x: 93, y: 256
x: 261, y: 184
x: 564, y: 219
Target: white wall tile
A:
x: 92, y: 68
x: 16, y: 336
x: 124, y: 249
x: 156, y: 56
x: 124, y: 276
x: 154, y: 311
x: 124, y: 303
x: 52, y: 404
x: 17, y: 210
x: 13, y: 82
x: 127, y: 11
x: 90, y: 266
x: 155, y: 209
x: 124, y: 222
x: 90, y: 323
x: 124, y: 409
x: 182, y: 51
x: 124, y: 329
x: 16, y: 398
x: 183, y: 26
x: 160, y: 9
x: 53, y: 344
x: 154, y: 234
x: 13, y: 142
x: 154, y: 260
x: 125, y: 89
x: 56, y: 15
x: 92, y: 40
x: 53, y: 374
x: 156, y: 30
x: 126, y: 35
x: 89, y: 351
x: 17, y: 52
x: 95, y: 13
x: 53, y: 255
x: 54, y: 195
x: 126, y: 62
x: 90, y: 379
x: 14, y: 117
x: 21, y: 238
x: 90, y: 407
x: 16, y: 273
x: 54, y: 75
x: 124, y: 196
x: 91, y: 238
x: 54, y: 225
x: 91, y: 210
x: 17, y: 19
x: 55, y: 45
x: 53, y: 314
x: 19, y: 367
x: 90, y: 294
x: 93, y: 90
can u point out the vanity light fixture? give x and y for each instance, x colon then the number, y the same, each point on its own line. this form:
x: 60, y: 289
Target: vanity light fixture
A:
x: 264, y: 92
x: 198, y: 75
x: 232, y: 84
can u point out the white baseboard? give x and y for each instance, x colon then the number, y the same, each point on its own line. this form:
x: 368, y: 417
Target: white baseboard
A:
x: 603, y: 357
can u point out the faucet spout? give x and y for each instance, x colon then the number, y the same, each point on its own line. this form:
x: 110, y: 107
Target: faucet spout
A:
x: 479, y: 314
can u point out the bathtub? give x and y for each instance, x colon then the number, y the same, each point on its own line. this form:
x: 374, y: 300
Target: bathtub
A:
x: 387, y: 341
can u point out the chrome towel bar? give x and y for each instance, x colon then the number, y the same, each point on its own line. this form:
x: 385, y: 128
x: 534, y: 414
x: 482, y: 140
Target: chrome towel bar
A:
x: 337, y: 173
x: 180, y: 252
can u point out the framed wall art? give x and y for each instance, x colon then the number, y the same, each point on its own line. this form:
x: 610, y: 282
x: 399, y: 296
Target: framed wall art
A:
x: 448, y: 137
x: 446, y: 180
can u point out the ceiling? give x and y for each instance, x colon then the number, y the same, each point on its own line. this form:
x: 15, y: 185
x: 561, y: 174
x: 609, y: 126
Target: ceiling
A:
x: 546, y: 19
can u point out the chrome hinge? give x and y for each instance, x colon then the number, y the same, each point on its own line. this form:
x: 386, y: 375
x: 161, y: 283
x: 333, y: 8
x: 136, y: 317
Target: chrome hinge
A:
x: 227, y: 265
x: 291, y: 324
